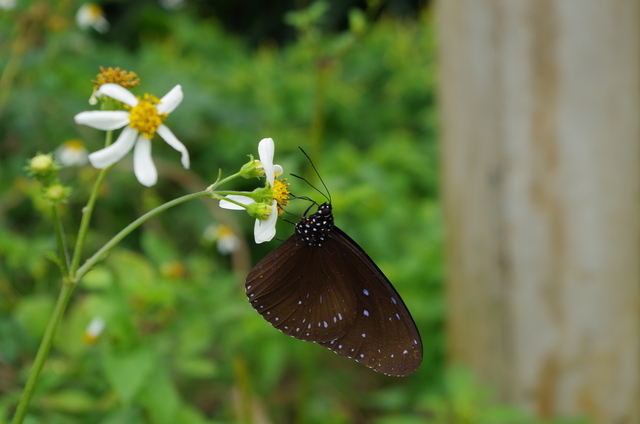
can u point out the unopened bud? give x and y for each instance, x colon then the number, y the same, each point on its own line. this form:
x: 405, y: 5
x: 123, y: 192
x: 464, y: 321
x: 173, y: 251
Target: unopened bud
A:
x: 252, y: 169
x: 259, y: 211
x: 57, y: 193
x: 41, y: 164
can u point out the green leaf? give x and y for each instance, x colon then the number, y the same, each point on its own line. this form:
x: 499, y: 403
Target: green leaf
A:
x: 159, y: 397
x: 98, y: 278
x: 128, y: 371
x: 197, y: 367
x: 159, y: 249
x: 34, y: 313
x: 71, y: 400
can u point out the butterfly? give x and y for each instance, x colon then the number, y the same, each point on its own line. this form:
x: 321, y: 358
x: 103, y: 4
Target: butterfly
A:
x: 320, y: 286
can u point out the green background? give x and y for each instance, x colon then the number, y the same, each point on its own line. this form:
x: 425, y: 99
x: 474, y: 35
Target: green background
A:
x: 352, y: 83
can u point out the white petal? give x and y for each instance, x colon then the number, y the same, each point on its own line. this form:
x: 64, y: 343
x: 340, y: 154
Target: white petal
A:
x: 96, y: 326
x: 143, y: 165
x: 118, y: 93
x: 101, y: 25
x: 240, y: 199
x: 113, y: 153
x: 103, y: 119
x: 171, y: 100
x: 266, y: 230
x: 166, y: 134
x: 266, y: 148
x: 278, y: 169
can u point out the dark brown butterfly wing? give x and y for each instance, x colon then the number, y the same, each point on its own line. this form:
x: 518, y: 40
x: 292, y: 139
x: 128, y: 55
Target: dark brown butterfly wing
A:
x: 294, y: 289
x: 384, y: 336
x: 320, y: 286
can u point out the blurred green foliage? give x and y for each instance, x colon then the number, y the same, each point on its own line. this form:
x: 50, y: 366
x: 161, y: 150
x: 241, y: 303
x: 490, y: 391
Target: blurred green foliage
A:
x: 181, y: 343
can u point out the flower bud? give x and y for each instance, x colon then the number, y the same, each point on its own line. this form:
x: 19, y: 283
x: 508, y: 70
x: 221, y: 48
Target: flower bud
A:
x: 262, y: 195
x: 259, y: 211
x: 41, y: 164
x: 252, y: 169
x: 57, y: 193
x: 43, y: 168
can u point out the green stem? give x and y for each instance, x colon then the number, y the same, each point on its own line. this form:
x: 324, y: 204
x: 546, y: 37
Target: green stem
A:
x: 129, y: 228
x: 87, y: 211
x: 69, y: 282
x: 63, y: 255
x: 43, y: 350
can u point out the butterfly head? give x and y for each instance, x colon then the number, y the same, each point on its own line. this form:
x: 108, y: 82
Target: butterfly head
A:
x: 314, y: 229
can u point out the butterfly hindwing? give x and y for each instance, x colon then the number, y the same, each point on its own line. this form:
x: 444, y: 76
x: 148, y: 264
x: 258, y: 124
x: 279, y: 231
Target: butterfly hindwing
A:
x: 311, y: 309
x: 384, y: 336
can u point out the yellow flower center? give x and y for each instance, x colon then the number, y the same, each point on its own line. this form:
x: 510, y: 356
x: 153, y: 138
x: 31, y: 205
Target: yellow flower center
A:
x: 224, y: 232
x: 89, y: 339
x: 144, y: 117
x: 116, y: 76
x: 74, y: 145
x: 281, y: 194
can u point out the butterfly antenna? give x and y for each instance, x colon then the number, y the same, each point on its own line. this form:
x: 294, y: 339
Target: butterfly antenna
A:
x: 318, y: 174
x: 312, y: 186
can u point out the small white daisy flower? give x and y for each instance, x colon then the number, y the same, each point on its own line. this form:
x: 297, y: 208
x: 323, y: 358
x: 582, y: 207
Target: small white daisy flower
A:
x: 91, y: 15
x: 227, y: 241
x: 143, y: 119
x: 7, y: 4
x: 93, y: 330
x: 265, y: 229
x: 72, y: 153
x: 172, y: 4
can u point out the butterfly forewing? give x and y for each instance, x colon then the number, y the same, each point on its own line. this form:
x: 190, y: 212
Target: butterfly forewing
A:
x: 321, y: 286
x: 384, y: 336
x: 310, y: 309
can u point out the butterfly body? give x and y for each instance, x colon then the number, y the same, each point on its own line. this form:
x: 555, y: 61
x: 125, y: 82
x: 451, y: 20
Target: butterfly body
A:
x: 320, y: 286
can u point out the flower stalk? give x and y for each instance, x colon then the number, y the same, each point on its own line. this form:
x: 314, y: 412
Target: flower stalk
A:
x: 144, y: 119
x: 87, y: 211
x: 43, y: 350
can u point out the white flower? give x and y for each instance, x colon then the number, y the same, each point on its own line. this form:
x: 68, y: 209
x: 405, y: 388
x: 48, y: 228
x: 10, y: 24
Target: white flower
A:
x: 91, y: 15
x: 93, y: 330
x: 227, y: 241
x: 264, y: 230
x: 172, y: 4
x: 7, y: 4
x: 72, y: 153
x: 142, y: 121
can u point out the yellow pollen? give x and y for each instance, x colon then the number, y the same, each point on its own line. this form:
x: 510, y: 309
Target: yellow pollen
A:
x: 89, y: 339
x: 116, y: 76
x: 144, y: 117
x: 74, y: 145
x: 95, y: 11
x: 224, y: 231
x: 281, y: 194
